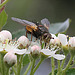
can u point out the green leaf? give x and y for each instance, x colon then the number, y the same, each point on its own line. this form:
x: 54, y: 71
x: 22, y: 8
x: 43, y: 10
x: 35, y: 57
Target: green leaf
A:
x: 26, y: 60
x: 18, y: 33
x: 70, y: 71
x: 59, y: 27
x: 3, y: 19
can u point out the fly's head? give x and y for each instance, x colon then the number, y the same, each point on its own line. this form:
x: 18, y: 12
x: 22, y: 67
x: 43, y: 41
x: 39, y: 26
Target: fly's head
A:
x: 46, y: 37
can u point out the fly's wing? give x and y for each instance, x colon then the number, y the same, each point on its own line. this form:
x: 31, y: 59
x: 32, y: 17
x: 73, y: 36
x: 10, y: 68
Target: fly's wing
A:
x: 45, y: 22
x: 24, y: 22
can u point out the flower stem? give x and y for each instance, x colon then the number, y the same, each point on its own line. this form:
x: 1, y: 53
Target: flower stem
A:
x: 68, y: 65
x: 62, y: 64
x: 19, y: 64
x: 2, y: 65
x: 8, y: 71
x: 73, y: 62
x: 33, y: 65
x: 0, y: 62
x: 14, y: 70
x: 37, y: 66
x: 52, y: 63
x: 29, y: 66
x: 59, y: 69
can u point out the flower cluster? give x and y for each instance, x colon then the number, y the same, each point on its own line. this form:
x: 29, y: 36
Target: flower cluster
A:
x: 22, y: 46
x: 7, y: 44
x: 10, y: 47
x: 63, y: 41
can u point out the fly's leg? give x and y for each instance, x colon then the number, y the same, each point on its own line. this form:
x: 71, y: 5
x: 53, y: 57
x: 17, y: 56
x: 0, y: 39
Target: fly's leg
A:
x: 45, y: 44
x: 41, y: 42
x: 26, y: 34
x: 31, y: 36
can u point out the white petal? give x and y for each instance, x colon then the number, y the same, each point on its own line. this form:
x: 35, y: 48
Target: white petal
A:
x: 53, y: 35
x: 63, y: 39
x: 20, y: 52
x: 48, y: 52
x: 59, y: 57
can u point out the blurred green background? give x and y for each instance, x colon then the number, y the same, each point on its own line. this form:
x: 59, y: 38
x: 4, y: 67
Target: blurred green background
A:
x: 54, y: 10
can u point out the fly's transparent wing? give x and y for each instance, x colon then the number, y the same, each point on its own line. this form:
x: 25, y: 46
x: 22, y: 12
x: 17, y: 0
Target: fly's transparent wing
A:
x: 23, y: 22
x: 45, y: 22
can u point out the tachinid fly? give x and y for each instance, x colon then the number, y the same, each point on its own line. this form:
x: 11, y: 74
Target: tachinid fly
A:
x: 39, y: 31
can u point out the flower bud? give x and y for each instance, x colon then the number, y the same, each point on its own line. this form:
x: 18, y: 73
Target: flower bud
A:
x: 6, y: 34
x: 35, y: 51
x: 10, y: 59
x: 72, y: 45
x: 72, y: 42
x: 23, y: 41
x: 2, y: 38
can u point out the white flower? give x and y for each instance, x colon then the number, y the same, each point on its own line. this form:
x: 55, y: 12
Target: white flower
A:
x: 52, y: 54
x: 6, y: 34
x: 55, y: 41
x: 63, y: 39
x: 11, y: 47
x: 10, y: 59
x: 72, y: 42
x: 23, y: 40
